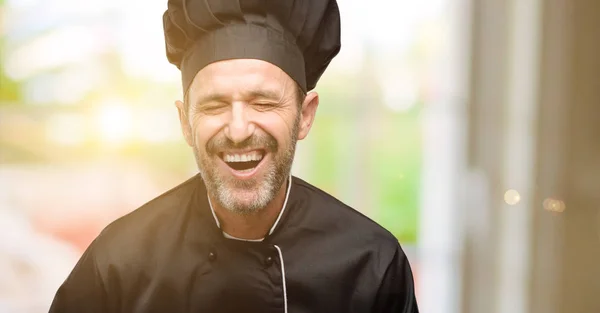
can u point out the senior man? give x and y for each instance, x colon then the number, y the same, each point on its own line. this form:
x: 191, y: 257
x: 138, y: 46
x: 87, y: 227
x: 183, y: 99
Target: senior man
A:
x: 244, y: 235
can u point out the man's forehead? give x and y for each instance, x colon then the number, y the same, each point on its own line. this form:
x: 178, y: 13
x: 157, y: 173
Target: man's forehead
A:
x: 268, y: 90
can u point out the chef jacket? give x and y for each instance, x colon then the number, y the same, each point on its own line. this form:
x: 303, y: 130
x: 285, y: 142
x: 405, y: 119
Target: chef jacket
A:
x: 170, y: 255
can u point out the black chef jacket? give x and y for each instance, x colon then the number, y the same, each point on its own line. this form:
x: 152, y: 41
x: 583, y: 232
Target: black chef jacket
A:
x: 170, y: 256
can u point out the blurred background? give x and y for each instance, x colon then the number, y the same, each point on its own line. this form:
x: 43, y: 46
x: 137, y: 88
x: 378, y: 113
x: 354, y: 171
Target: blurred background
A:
x: 468, y: 128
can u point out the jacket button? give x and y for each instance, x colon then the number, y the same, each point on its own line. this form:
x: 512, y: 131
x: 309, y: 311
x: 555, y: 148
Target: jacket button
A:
x: 212, y: 256
x: 269, y: 261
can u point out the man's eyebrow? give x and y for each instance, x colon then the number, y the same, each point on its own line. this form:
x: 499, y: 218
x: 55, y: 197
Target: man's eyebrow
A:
x: 213, y: 97
x: 264, y: 94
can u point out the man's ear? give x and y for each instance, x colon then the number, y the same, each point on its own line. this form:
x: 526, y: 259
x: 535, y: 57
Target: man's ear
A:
x: 308, y: 111
x: 185, y: 123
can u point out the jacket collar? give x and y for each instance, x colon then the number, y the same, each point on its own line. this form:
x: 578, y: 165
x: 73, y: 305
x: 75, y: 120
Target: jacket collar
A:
x: 275, y: 224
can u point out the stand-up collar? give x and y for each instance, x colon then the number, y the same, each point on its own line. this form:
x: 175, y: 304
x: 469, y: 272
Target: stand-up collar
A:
x: 275, y: 224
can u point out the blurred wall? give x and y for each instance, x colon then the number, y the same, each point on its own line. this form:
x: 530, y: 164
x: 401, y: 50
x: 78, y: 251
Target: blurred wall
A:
x: 532, y: 219
x: 580, y: 180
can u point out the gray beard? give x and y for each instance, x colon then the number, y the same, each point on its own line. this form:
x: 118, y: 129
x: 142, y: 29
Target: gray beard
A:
x: 223, y: 189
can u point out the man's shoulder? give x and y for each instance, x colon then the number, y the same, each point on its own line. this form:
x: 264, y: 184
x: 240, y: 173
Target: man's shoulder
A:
x: 340, y: 230
x: 333, y: 214
x: 149, y: 222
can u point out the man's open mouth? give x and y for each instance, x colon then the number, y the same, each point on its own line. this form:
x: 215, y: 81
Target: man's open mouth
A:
x: 243, y: 161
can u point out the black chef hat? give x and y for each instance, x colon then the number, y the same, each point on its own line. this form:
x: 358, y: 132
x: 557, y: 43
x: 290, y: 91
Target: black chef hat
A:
x: 299, y: 36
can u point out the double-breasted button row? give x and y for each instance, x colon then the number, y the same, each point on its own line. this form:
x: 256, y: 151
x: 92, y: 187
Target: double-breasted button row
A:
x: 269, y: 260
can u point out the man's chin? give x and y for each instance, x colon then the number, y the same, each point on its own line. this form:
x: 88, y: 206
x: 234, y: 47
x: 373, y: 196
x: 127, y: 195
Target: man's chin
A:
x: 242, y: 200
x: 244, y: 207
x: 241, y: 188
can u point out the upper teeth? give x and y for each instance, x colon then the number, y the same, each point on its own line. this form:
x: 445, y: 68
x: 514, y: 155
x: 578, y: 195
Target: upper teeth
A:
x: 246, y: 157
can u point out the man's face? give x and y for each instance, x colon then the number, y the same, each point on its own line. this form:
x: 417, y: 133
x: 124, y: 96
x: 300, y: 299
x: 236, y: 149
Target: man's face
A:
x: 242, y: 119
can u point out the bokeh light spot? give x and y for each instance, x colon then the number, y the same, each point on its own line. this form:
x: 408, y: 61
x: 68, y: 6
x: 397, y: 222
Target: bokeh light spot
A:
x: 554, y: 205
x: 512, y: 197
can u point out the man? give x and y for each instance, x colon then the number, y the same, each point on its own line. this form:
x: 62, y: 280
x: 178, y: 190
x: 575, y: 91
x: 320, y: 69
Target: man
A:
x: 244, y: 235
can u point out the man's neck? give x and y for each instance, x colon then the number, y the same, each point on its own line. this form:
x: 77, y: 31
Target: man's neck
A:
x: 253, y: 226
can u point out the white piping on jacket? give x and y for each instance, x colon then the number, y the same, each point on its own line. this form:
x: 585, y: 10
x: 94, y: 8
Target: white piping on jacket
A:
x: 228, y: 236
x: 283, y: 278
x: 287, y: 196
x: 213, y: 212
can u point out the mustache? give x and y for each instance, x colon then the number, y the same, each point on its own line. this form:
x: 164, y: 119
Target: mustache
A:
x: 220, y: 143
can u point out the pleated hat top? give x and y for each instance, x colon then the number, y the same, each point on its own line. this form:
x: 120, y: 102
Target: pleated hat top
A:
x: 299, y: 36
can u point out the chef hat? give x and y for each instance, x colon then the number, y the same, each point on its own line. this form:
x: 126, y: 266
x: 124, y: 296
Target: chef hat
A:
x: 299, y: 36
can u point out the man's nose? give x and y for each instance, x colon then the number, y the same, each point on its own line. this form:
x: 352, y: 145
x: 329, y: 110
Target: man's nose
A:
x: 239, y: 127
